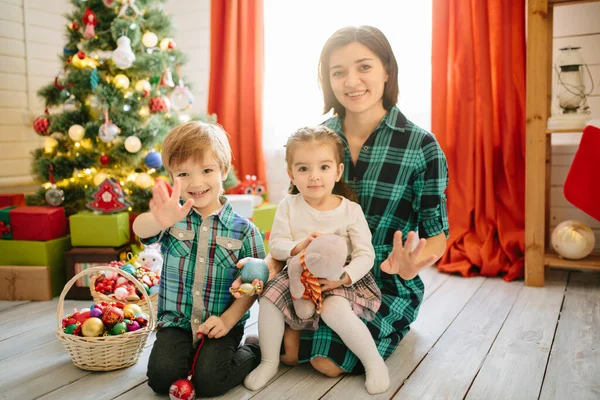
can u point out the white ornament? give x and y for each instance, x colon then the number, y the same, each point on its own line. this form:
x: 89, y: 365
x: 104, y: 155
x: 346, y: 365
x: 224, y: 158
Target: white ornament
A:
x: 181, y: 97
x: 133, y: 144
x: 108, y: 132
x: 573, y: 239
x: 76, y: 132
x: 123, y: 56
x: 149, y: 39
x: 50, y: 144
x: 144, y: 180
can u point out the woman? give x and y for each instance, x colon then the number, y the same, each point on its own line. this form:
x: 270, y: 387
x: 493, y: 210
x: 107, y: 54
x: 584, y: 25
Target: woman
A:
x: 399, y: 173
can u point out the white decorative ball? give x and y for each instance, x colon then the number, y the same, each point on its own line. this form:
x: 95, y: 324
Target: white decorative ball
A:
x: 108, y: 132
x: 76, y: 132
x: 573, y: 239
x: 181, y: 98
x: 149, y: 39
x: 144, y: 180
x: 50, y: 144
x: 133, y: 144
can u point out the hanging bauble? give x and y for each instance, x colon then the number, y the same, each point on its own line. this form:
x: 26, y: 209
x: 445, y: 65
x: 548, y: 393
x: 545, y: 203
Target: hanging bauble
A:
x: 110, y: 3
x: 184, y: 118
x: 150, y: 39
x: 94, y: 106
x: 182, y: 389
x: 181, y: 97
x: 54, y: 196
x: 159, y: 104
x: 121, y: 81
x: 50, y: 144
x: 99, y: 178
x: 133, y: 144
x: 144, y: 180
x: 76, y: 132
x: 71, y: 105
x: 144, y: 111
x: 89, y: 20
x: 74, y: 26
x: 143, y: 86
x: 573, y: 239
x: 126, y: 27
x: 153, y: 159
x: 41, y: 124
x: 123, y: 56
x: 108, y: 132
x: 104, y: 159
x: 167, y: 43
x: 166, y: 79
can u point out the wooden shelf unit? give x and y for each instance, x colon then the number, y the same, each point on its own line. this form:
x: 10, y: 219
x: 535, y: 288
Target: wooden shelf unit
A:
x: 540, y: 15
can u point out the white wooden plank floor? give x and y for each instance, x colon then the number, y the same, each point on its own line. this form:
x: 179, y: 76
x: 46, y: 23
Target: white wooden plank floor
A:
x: 477, y: 338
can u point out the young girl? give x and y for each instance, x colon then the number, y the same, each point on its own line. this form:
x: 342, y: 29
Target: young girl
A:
x: 319, y: 203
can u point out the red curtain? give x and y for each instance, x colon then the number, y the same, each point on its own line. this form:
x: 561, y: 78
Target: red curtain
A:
x: 478, y: 116
x: 236, y: 79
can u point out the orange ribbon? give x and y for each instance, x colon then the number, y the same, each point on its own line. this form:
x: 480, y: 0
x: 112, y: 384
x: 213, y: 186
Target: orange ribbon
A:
x: 312, y: 287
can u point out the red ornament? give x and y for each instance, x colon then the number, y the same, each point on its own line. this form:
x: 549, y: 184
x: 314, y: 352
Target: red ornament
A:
x: 109, y: 198
x: 75, y: 25
x: 182, y: 389
x: 159, y: 104
x: 41, y: 125
x: 172, y: 44
x: 104, y: 159
x: 81, y: 55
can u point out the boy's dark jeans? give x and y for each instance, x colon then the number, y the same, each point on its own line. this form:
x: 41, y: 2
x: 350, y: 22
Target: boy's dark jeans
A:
x: 221, y: 365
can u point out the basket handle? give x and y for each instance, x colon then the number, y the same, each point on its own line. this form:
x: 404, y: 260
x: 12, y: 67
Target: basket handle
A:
x: 88, y: 271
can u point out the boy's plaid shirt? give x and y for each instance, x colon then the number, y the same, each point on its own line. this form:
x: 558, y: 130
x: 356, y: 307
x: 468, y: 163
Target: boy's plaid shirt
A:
x: 199, y: 258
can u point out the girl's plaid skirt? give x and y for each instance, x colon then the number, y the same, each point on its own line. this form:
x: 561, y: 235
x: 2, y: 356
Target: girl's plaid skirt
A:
x: 364, y: 297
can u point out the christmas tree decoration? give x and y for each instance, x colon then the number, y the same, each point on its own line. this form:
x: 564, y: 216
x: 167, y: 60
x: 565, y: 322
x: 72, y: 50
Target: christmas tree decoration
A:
x: 71, y: 105
x: 109, y: 198
x: 129, y: 4
x: 126, y: 26
x: 104, y: 159
x: 108, y: 132
x: 181, y: 97
x: 54, y: 196
x: 133, y: 144
x: 74, y: 26
x: 90, y: 21
x: 94, y: 78
x: 166, y: 44
x: 50, y: 144
x: 60, y: 80
x: 144, y: 180
x: 153, y: 160
x: 121, y: 81
x: 94, y: 106
x: 110, y: 3
x: 99, y: 178
x: 143, y: 86
x: 159, y: 104
x: 76, y: 132
x: 41, y: 124
x: 123, y: 56
x: 149, y: 39
x: 144, y: 111
x: 166, y: 79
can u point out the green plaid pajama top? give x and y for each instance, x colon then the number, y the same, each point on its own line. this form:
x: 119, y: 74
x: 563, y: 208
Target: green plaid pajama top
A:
x: 400, y: 177
x: 199, y: 258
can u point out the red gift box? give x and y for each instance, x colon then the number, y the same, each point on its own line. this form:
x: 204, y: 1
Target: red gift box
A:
x: 38, y: 223
x: 12, y: 199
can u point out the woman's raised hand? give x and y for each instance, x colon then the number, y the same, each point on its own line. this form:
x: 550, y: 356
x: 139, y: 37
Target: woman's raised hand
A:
x: 404, y: 260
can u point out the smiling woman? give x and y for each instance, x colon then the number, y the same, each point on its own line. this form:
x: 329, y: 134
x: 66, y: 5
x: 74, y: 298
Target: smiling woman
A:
x: 294, y: 36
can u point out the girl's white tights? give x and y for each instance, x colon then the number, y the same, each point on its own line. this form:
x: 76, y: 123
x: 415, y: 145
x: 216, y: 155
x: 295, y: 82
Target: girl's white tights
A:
x: 338, y: 315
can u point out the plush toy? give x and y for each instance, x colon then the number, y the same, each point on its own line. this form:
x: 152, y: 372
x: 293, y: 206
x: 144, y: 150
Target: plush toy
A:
x: 151, y: 258
x: 324, y: 257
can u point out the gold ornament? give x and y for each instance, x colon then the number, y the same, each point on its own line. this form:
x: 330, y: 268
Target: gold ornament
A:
x: 92, y: 327
x: 121, y: 81
x: 130, y: 310
x: 573, y: 239
x: 142, y: 86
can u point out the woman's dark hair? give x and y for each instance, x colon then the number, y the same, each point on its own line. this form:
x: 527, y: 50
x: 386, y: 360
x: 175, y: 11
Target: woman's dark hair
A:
x: 376, y: 41
x: 325, y: 136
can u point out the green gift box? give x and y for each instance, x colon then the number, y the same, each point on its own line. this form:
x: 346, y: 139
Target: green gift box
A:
x: 99, y: 230
x: 5, y: 229
x: 263, y: 216
x: 50, y: 253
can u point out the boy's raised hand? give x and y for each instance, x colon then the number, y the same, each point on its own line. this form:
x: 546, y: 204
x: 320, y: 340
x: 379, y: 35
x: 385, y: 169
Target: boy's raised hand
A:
x: 166, y: 208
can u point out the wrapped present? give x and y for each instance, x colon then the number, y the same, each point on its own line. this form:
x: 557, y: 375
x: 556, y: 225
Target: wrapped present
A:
x: 99, y: 230
x: 50, y: 253
x: 263, y: 216
x: 82, y: 258
x: 12, y: 199
x: 25, y: 283
x: 40, y: 223
x: 5, y: 228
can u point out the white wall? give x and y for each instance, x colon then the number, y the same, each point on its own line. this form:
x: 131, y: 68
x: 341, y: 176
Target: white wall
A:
x: 31, y: 37
x: 575, y: 25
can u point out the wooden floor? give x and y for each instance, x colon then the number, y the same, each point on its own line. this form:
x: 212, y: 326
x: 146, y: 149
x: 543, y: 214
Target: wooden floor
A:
x: 475, y: 338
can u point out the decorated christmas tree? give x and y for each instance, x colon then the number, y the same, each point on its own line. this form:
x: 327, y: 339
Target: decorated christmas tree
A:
x: 109, y: 108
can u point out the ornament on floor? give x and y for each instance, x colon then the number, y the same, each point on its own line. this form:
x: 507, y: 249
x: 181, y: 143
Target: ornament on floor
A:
x: 166, y: 79
x: 149, y: 39
x: 133, y: 144
x: 90, y: 21
x: 121, y: 81
x: 54, y: 196
x: 76, y: 132
x: 181, y: 97
x: 153, y: 159
x: 109, y: 198
x: 123, y: 56
x: 573, y: 240
x: 41, y: 124
x: 108, y: 131
x: 159, y: 104
x: 183, y: 389
x: 71, y: 105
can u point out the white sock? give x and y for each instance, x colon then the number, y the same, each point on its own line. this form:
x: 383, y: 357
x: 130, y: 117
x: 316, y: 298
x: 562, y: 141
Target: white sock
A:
x: 338, y: 315
x: 271, y: 326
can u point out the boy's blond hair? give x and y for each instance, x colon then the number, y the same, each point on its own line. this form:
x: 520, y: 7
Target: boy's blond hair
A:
x: 191, y: 140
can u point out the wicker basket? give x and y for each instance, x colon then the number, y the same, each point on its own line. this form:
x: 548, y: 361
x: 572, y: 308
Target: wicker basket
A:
x: 99, y: 297
x: 105, y: 353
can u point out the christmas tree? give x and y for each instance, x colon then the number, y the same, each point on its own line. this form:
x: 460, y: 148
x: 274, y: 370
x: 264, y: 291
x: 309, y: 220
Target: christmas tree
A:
x: 109, y: 109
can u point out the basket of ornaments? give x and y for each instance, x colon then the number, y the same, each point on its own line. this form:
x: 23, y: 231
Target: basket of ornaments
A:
x: 146, y: 268
x: 110, y: 334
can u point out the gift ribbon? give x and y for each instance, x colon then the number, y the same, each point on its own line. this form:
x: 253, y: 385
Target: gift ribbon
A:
x: 126, y: 5
x: 4, y: 228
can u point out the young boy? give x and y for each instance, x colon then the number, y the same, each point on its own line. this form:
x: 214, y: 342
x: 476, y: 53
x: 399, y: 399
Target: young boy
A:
x: 202, y: 239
